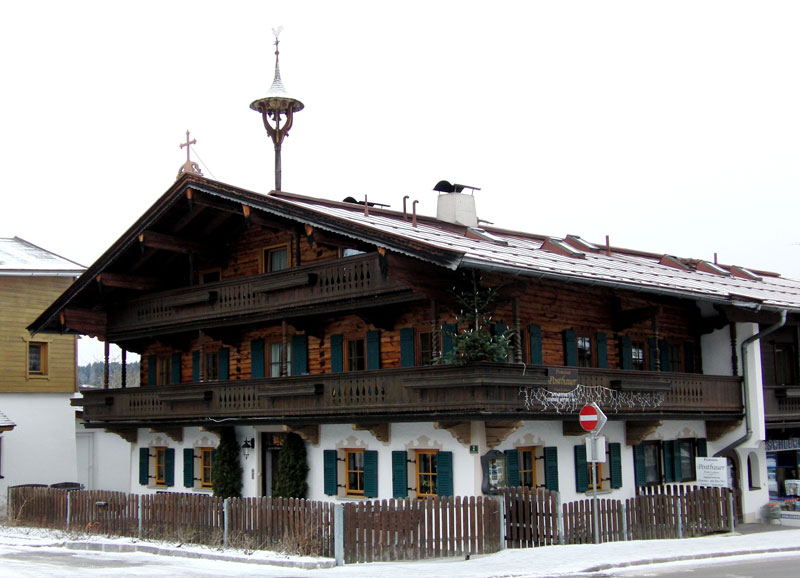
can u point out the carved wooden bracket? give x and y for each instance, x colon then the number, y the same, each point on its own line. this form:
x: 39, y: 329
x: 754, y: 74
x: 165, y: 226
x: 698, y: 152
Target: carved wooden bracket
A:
x: 461, y: 430
x: 636, y: 431
x: 716, y: 429
x: 174, y: 433
x: 129, y: 435
x: 309, y: 433
x: 572, y: 428
x: 498, y: 431
x: 379, y: 430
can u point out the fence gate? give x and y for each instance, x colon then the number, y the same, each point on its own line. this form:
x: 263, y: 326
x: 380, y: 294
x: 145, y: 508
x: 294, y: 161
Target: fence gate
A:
x: 531, y: 517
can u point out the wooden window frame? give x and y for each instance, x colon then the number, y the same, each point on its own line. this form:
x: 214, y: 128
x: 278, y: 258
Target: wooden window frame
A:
x: 595, y: 469
x: 358, y: 470
x: 159, y: 465
x: 211, y: 366
x: 659, y: 459
x: 43, y: 370
x: 164, y: 370
x: 788, y: 364
x: 206, y: 467
x: 201, y: 275
x: 425, y: 351
x: 583, y: 361
x: 691, y: 443
x: 676, y: 364
x: 431, y: 475
x: 360, y: 361
x: 638, y: 364
x: 268, y: 250
x: 276, y: 363
x: 533, y: 452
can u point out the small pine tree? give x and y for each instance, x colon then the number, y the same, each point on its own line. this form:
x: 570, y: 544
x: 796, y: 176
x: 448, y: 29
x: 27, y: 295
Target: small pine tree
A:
x: 292, y: 468
x: 227, y: 469
x: 476, y: 342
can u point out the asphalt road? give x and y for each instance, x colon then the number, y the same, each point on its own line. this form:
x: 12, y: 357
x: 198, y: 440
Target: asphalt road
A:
x: 753, y: 566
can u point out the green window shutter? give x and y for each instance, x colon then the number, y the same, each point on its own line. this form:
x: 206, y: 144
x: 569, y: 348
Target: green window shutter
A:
x: 144, y: 466
x: 551, y: 468
x: 370, y: 474
x: 581, y: 469
x: 444, y: 473
x: 224, y: 363
x: 570, y: 348
x: 169, y: 466
x: 257, y: 366
x: 688, y: 357
x: 702, y: 448
x: 196, y: 366
x: 602, y: 350
x: 651, y: 345
x: 299, y: 354
x: 399, y: 474
x: 615, y: 464
x: 639, y: 466
x: 449, y: 331
x: 535, y: 333
x: 626, y: 352
x: 666, y: 355
x: 407, y: 353
x: 152, y: 370
x: 330, y: 471
x: 512, y: 468
x: 176, y: 368
x: 669, y: 462
x: 337, y: 353
x: 188, y: 468
x: 373, y: 349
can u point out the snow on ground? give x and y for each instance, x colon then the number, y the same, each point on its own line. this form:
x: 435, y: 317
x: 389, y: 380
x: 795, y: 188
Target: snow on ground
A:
x: 17, y: 544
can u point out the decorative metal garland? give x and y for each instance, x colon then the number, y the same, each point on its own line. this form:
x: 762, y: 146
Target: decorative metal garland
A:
x: 572, y: 401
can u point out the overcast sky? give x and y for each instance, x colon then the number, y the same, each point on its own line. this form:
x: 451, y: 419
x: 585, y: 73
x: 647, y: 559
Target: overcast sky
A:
x: 672, y: 127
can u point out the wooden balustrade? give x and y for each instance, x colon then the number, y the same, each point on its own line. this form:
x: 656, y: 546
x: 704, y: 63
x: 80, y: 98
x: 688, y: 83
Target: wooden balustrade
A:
x: 407, y: 393
x: 317, y: 284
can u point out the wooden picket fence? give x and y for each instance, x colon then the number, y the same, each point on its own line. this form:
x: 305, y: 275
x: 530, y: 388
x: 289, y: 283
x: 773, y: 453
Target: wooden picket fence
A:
x: 531, y: 518
x: 383, y: 530
x: 671, y: 511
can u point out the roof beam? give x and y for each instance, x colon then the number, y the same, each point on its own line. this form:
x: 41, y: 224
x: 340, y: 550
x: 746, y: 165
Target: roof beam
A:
x: 137, y: 282
x: 171, y: 243
x: 85, y: 321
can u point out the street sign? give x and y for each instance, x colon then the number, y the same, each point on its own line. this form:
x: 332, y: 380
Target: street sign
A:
x: 592, y: 418
x: 598, y: 448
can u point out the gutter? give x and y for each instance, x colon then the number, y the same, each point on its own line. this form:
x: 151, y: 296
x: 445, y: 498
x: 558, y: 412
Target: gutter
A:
x: 746, y: 386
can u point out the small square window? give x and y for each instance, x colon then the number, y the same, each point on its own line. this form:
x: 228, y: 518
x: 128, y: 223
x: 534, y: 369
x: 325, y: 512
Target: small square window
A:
x: 276, y: 258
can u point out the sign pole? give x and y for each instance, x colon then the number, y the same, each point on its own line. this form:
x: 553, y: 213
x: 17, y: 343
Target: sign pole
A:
x: 594, y: 489
x: 592, y: 419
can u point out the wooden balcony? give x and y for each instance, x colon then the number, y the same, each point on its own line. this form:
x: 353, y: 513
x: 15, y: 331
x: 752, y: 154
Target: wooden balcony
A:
x: 782, y: 405
x: 277, y: 294
x: 439, y: 392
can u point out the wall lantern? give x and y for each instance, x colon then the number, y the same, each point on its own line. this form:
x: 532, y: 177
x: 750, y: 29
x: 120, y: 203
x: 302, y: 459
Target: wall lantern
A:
x: 249, y: 444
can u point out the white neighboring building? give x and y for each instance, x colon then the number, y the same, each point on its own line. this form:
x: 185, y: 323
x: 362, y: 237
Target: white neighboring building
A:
x: 37, y: 373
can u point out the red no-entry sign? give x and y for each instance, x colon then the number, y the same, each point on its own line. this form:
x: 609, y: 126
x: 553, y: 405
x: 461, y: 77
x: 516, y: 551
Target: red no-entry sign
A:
x: 591, y: 418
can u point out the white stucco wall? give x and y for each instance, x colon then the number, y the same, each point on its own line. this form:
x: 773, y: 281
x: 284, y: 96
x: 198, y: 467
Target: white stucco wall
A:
x: 103, y: 460
x: 41, y: 448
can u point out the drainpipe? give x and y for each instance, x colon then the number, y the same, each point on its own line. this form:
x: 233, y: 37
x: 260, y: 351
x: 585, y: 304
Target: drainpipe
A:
x: 746, y: 386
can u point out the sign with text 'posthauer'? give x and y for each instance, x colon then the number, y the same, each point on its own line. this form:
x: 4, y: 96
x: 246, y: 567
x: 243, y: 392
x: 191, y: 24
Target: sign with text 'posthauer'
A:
x: 712, y: 472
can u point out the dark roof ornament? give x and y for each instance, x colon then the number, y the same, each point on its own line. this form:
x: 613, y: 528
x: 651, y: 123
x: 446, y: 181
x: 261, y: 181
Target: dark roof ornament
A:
x: 189, y: 166
x: 273, y: 107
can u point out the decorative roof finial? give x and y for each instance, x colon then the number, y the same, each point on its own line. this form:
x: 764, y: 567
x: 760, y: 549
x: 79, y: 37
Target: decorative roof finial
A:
x: 189, y: 166
x: 272, y: 107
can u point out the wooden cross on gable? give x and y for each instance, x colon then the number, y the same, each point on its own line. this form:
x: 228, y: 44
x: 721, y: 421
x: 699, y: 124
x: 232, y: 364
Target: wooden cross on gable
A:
x: 189, y: 166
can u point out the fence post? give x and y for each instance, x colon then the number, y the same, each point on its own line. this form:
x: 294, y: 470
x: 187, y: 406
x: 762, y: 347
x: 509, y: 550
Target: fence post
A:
x: 225, y: 521
x: 560, y: 519
x: 338, y: 535
x: 680, y: 517
x: 731, y: 514
x: 623, y: 504
x: 69, y: 502
x: 502, y: 521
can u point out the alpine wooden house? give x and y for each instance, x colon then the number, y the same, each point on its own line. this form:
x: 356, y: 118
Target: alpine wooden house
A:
x: 282, y: 313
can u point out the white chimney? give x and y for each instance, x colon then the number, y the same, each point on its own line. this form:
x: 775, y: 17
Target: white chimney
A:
x: 457, y: 208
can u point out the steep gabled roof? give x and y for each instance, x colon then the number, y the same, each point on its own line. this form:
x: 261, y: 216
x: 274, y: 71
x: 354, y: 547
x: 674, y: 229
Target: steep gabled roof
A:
x: 19, y: 257
x: 426, y: 238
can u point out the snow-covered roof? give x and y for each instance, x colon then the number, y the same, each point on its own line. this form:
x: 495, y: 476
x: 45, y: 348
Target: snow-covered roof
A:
x: 19, y: 257
x: 531, y: 255
x: 5, y: 423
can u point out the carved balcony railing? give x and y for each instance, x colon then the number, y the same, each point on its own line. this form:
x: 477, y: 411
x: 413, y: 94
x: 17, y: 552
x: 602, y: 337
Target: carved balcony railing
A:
x: 472, y: 391
x: 317, y: 284
x: 782, y: 404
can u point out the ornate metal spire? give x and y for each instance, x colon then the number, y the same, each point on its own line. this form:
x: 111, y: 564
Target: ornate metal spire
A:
x: 189, y: 166
x: 275, y: 107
